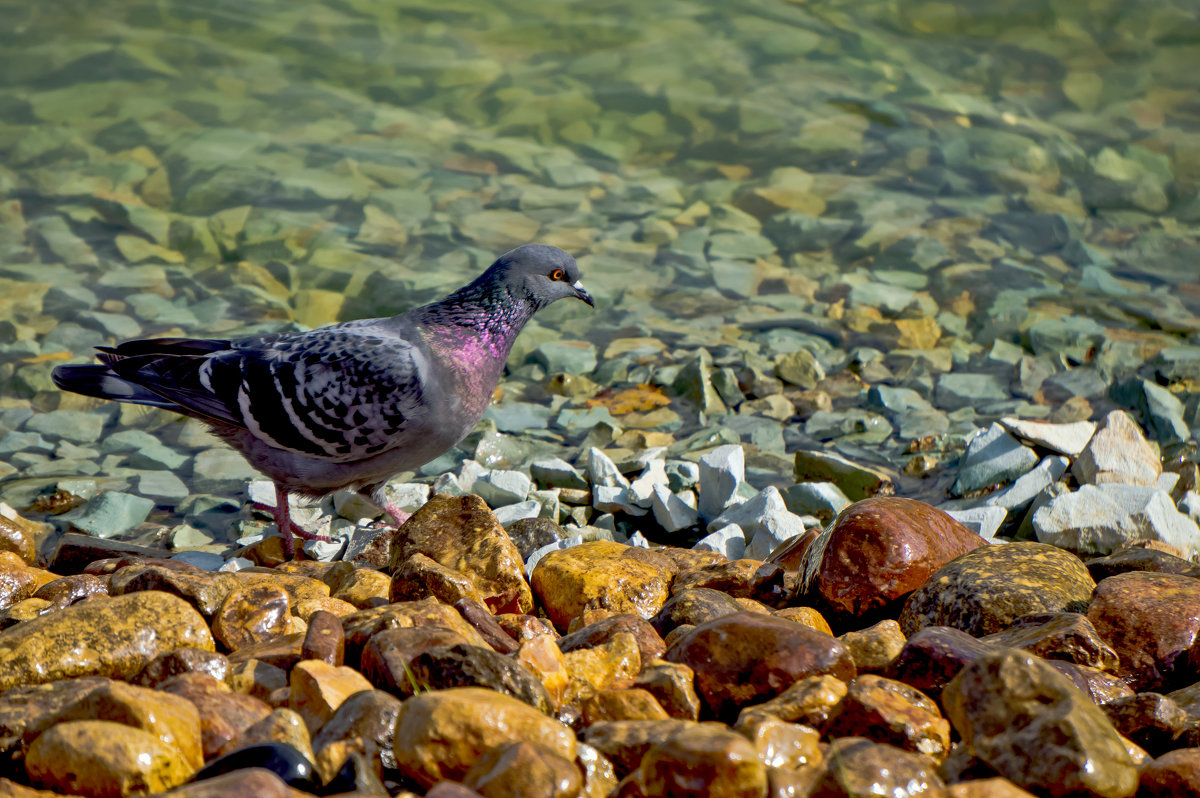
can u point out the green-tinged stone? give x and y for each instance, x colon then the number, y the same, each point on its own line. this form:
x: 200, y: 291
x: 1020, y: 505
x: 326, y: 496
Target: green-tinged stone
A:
x: 110, y: 513
x: 694, y: 382
x: 566, y: 357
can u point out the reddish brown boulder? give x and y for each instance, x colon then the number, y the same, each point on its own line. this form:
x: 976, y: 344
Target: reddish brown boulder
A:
x: 879, y: 550
x: 749, y: 657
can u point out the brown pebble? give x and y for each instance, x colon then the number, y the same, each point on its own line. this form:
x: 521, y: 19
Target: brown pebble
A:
x: 325, y: 640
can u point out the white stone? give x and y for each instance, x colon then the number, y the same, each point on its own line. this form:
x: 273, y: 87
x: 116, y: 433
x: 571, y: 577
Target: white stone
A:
x: 324, y: 550
x: 499, y: 488
x: 638, y: 540
x: 721, y: 472
x: 772, y: 530
x: 555, y: 472
x: 468, y: 473
x: 983, y: 521
x: 603, y: 471
x: 407, y: 496
x: 237, y: 564
x: 1087, y: 520
x: 766, y: 502
x: 557, y: 545
x: 641, y: 490
x: 670, y: 511
x: 512, y: 513
x: 729, y: 540
x: 1190, y: 504
x: 1027, y: 486
x: 1068, y: 439
x: 353, y: 505
x: 611, y: 499
x: 261, y: 492
x: 1101, y: 519
x: 1118, y: 452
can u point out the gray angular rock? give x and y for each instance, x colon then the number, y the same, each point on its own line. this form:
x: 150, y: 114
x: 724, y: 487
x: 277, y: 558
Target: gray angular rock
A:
x: 163, y: 486
x: 1025, y: 488
x: 1161, y: 410
x: 984, y: 521
x: 499, y: 488
x: 765, y: 520
x: 722, y: 471
x: 671, y: 512
x: 821, y: 499
x: 1068, y: 439
x: 1117, y: 452
x: 615, y: 500
x: 109, y: 513
x: 993, y: 457
x: 962, y: 389
x: 729, y: 540
x: 554, y: 472
x: 69, y: 425
x: 511, y: 513
x: 602, y: 471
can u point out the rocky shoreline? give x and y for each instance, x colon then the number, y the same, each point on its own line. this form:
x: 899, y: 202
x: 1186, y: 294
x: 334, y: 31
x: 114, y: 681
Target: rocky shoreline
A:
x: 484, y: 649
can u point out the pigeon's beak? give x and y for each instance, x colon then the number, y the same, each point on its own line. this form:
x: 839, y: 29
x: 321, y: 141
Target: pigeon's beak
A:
x: 581, y: 293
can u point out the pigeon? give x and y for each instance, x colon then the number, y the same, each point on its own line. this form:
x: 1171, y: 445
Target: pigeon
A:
x: 348, y: 405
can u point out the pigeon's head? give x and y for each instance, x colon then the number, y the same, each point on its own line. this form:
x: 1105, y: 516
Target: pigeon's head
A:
x: 542, y: 273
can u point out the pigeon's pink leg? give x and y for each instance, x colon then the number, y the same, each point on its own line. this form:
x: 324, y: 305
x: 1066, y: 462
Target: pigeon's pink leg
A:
x: 287, y: 529
x: 398, y: 516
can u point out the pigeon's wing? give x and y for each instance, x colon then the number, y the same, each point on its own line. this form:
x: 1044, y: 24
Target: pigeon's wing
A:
x: 340, y: 393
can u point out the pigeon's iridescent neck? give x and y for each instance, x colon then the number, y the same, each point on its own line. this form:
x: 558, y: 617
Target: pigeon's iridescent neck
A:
x: 472, y: 336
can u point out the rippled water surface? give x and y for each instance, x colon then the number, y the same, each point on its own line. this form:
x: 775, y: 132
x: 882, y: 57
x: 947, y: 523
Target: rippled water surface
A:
x: 903, y: 189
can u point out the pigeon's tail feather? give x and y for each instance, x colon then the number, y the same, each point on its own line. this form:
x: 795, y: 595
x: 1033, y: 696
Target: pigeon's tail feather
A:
x: 101, y: 382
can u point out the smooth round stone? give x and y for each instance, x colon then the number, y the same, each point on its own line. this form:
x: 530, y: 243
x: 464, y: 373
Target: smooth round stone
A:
x: 1152, y: 720
x: 291, y: 766
x: 984, y: 591
x: 892, y: 712
x: 1151, y: 620
x: 100, y: 757
x: 628, y: 704
x: 934, y: 655
x: 387, y: 654
x: 854, y: 766
x: 703, y: 760
x: 1028, y: 723
x: 694, y: 607
x: 462, y: 665
x: 441, y: 735
x: 252, y: 615
x: 1137, y: 558
x: 749, y: 657
x: 597, y: 575
x: 673, y: 686
x: 650, y: 644
x: 67, y: 590
x: 625, y: 742
x: 460, y: 532
x: 522, y: 768
x: 224, y: 716
x: 246, y: 783
x: 875, y: 649
x: 879, y: 550
x: 116, y: 637
x: 1067, y: 636
x: 1173, y: 774
x: 366, y: 723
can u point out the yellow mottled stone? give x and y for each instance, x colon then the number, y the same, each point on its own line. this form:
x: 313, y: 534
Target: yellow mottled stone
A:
x: 116, y: 638
x: 102, y: 759
x: 596, y: 575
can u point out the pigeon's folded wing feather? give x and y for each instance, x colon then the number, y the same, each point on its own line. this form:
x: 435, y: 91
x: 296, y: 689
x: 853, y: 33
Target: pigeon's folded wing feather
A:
x: 339, y: 395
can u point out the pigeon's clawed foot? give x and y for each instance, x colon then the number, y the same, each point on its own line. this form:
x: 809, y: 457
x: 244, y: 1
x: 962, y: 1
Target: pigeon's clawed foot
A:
x: 288, y: 529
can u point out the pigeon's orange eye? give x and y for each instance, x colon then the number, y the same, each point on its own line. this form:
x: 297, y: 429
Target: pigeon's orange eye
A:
x: 557, y: 274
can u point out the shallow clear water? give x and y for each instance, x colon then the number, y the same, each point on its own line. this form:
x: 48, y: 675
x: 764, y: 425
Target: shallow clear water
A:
x: 731, y: 177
